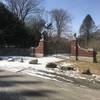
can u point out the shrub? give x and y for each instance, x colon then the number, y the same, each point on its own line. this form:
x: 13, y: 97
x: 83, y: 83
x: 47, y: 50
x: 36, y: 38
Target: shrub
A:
x: 35, y: 61
x: 87, y: 72
x: 51, y: 65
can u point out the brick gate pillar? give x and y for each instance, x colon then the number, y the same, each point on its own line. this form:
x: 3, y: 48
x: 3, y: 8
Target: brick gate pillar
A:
x: 39, y: 51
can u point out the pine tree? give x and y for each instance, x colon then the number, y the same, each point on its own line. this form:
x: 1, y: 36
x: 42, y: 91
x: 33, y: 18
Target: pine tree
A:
x: 87, y: 28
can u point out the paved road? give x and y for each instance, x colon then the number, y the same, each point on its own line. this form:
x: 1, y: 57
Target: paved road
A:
x: 23, y: 87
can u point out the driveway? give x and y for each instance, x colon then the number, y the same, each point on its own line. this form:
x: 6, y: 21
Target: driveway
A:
x: 15, y: 86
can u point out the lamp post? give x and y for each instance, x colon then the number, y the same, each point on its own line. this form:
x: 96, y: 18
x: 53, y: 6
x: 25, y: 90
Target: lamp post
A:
x: 76, y: 46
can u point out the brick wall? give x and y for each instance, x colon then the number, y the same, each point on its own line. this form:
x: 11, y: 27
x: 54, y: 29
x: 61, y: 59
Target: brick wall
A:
x: 40, y: 50
x: 81, y: 51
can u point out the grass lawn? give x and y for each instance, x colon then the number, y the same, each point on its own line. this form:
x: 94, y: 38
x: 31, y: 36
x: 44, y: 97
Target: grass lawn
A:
x: 82, y: 65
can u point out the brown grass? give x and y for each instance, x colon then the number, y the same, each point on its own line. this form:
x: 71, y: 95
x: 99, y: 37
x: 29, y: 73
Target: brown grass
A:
x: 98, y: 56
x: 82, y: 65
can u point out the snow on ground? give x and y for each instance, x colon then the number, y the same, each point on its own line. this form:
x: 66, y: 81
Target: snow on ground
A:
x: 36, y: 69
x: 25, y: 67
x: 33, y: 69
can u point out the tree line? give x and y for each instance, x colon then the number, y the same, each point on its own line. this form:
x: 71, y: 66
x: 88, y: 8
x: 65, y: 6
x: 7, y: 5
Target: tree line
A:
x: 23, y: 24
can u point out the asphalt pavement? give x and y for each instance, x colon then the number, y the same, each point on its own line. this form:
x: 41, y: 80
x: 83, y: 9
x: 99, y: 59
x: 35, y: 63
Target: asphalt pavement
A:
x: 17, y: 86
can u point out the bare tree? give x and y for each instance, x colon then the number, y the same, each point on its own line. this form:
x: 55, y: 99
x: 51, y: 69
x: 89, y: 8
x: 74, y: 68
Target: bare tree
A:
x: 23, y: 8
x: 37, y: 25
x: 61, y: 19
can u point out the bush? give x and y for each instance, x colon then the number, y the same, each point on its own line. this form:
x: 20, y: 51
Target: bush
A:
x: 87, y: 72
x: 51, y: 65
x: 35, y: 61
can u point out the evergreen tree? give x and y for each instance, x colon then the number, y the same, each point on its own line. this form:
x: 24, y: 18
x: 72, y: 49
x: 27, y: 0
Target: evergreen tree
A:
x: 87, y: 28
x: 13, y: 31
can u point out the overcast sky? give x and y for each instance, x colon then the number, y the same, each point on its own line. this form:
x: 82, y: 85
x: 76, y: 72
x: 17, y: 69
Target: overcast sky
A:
x: 78, y: 10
